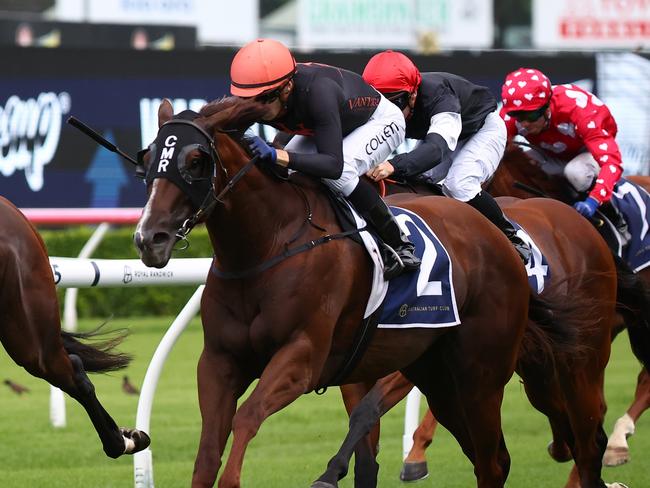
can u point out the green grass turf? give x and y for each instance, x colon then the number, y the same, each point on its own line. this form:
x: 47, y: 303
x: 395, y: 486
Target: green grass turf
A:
x: 292, y: 447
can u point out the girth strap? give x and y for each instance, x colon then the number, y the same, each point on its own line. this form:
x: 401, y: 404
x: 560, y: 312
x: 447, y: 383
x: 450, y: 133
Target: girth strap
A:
x: 357, y: 350
x: 232, y: 275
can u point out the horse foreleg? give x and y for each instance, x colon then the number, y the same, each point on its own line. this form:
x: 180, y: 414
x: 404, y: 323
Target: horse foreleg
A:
x: 618, y: 451
x: 219, y: 385
x: 415, y: 465
x: 288, y: 375
x: 386, y: 393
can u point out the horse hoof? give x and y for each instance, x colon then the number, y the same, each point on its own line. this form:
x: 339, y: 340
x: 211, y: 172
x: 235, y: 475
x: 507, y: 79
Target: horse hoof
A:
x: 562, y: 455
x: 135, y: 440
x: 615, y: 485
x: 414, y: 471
x: 615, y: 456
x: 322, y: 484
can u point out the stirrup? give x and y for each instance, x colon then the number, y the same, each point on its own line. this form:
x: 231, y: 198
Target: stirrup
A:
x: 624, y: 233
x: 525, y: 252
x: 522, y: 247
x: 393, y: 264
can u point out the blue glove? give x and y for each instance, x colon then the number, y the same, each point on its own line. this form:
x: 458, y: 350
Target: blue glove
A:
x: 259, y: 147
x: 587, y: 207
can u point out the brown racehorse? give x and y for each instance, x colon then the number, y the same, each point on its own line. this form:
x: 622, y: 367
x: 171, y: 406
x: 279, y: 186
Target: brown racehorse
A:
x: 292, y: 322
x: 30, y: 330
x: 515, y: 167
x: 565, y: 383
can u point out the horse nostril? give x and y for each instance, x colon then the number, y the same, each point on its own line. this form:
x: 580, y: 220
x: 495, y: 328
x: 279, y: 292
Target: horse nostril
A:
x: 160, y: 238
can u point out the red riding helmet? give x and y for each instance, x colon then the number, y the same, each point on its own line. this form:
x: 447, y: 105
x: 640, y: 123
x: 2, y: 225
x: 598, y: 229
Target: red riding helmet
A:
x: 525, y: 89
x: 391, y: 72
x: 259, y: 66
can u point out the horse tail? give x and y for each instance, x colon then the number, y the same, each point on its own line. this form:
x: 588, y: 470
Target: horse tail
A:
x: 555, y: 330
x: 98, y: 356
x: 633, y: 303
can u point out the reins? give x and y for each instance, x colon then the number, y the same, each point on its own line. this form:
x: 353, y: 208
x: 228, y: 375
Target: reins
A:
x: 211, y: 200
x: 287, y: 253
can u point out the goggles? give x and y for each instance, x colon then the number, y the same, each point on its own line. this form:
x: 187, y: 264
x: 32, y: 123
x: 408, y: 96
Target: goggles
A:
x: 529, y: 115
x: 400, y: 98
x: 269, y: 96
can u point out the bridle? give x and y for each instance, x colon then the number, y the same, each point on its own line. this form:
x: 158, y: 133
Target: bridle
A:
x: 211, y: 198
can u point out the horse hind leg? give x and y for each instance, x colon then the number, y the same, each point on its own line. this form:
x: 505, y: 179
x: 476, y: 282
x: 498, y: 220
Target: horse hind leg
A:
x: 575, y: 411
x: 586, y: 411
x: 546, y: 396
x: 471, y: 410
x: 618, y: 451
x: 66, y: 371
x: 479, y: 435
x: 415, y: 466
x: 75, y: 382
x: 32, y: 336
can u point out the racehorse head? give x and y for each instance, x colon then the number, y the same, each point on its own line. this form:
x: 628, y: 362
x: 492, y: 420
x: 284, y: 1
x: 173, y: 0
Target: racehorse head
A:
x: 185, y: 167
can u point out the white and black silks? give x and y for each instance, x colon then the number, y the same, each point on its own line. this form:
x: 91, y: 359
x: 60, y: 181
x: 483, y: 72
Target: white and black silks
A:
x: 448, y: 110
x: 171, y: 161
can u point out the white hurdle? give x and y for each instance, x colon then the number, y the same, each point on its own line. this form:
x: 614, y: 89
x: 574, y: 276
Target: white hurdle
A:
x: 411, y: 420
x: 143, y: 460
x: 87, y: 273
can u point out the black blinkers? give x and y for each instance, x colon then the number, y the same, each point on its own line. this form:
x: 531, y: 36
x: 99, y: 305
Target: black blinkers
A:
x: 176, y: 138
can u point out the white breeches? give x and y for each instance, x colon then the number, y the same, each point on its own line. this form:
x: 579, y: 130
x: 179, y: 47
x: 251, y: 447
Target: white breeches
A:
x: 474, y: 161
x: 363, y: 148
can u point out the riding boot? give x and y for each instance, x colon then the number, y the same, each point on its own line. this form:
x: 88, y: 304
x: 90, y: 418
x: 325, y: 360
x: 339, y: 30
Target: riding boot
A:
x: 484, y: 203
x: 617, y: 219
x: 398, y: 253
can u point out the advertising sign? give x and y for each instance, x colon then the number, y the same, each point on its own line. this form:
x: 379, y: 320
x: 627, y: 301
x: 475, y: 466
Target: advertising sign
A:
x: 45, y: 162
x: 398, y: 24
x: 216, y: 22
x: 566, y: 24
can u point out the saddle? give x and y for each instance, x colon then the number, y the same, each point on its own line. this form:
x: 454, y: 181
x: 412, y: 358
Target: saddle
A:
x: 419, y: 184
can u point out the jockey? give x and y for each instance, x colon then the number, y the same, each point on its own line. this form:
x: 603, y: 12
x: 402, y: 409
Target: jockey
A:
x: 343, y: 129
x: 575, y: 133
x: 462, y: 137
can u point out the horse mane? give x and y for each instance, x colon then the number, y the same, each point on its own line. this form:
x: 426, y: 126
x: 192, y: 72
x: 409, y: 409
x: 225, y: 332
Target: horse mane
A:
x: 233, y: 113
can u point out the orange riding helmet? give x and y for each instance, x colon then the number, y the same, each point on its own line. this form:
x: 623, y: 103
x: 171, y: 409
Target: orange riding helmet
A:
x: 260, y: 66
